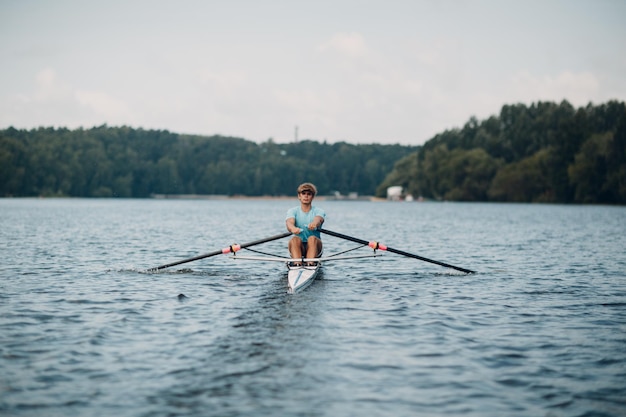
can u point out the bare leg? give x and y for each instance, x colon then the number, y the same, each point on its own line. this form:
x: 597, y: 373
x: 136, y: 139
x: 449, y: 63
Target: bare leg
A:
x: 314, y: 247
x: 295, y: 247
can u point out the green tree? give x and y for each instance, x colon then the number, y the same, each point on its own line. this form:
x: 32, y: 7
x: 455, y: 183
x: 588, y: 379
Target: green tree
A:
x: 588, y: 172
x: 522, y: 182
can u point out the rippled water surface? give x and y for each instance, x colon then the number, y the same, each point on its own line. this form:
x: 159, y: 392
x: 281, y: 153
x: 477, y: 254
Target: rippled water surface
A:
x: 539, y: 330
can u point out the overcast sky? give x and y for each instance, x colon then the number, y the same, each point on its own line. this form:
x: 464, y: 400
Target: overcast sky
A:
x: 389, y: 71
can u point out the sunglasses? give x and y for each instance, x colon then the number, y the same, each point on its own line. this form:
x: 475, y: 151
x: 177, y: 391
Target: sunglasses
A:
x: 306, y: 192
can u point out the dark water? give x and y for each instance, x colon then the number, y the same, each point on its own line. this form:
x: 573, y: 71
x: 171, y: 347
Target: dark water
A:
x: 540, y: 330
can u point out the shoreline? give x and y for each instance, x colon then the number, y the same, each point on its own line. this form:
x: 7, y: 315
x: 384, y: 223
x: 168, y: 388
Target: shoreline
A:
x: 263, y: 197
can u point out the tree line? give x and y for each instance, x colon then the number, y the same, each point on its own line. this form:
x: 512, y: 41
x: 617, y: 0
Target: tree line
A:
x: 545, y: 152
x: 127, y: 162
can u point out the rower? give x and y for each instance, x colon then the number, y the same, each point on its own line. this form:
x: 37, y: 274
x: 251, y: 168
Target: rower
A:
x: 304, y: 222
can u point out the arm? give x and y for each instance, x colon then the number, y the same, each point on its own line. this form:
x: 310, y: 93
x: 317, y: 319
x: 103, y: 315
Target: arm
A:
x: 316, y: 223
x: 291, y: 226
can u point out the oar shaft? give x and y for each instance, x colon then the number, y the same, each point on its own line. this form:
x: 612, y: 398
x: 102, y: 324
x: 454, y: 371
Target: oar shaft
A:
x: 346, y: 237
x: 195, y: 258
x: 219, y: 252
x: 397, y: 251
x: 421, y: 258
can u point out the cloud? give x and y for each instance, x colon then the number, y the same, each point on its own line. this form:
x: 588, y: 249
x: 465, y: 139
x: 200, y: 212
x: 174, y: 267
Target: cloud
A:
x: 393, y: 73
x: 226, y: 82
x: 347, y: 44
x: 312, y: 107
x: 57, y: 102
x: 48, y: 87
x: 578, y: 88
x: 103, y: 105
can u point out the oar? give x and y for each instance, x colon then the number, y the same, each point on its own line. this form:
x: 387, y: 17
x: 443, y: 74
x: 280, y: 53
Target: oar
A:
x: 232, y: 248
x: 376, y: 245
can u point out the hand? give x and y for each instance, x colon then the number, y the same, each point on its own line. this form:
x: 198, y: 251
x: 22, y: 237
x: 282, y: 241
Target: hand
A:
x: 313, y: 226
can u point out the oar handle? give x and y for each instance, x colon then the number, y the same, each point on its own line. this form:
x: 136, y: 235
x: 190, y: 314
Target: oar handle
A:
x: 377, y: 245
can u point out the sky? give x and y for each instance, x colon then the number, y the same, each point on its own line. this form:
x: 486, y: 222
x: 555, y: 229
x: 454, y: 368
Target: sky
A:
x: 359, y: 71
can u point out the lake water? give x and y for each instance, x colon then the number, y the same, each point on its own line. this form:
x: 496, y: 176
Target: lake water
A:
x: 539, y: 330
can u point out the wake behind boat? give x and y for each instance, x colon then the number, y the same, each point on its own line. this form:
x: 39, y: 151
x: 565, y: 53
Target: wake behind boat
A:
x: 302, y: 272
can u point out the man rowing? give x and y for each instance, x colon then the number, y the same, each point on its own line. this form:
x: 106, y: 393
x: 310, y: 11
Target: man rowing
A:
x: 304, y: 222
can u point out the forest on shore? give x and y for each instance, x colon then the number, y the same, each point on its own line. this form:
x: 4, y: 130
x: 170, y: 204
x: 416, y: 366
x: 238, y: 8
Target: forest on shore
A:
x: 135, y: 163
x: 545, y: 152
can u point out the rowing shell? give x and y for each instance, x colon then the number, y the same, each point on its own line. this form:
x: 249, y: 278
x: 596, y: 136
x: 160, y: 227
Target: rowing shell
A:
x: 300, y: 277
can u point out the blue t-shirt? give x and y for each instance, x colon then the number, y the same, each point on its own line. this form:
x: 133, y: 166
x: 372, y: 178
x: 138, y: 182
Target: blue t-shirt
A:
x: 304, y: 219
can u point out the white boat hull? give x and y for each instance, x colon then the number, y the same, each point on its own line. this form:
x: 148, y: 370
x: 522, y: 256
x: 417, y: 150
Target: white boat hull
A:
x: 300, y: 277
